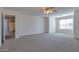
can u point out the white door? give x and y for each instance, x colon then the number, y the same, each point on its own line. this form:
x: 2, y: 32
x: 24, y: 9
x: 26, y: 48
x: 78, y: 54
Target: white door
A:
x: 0, y: 31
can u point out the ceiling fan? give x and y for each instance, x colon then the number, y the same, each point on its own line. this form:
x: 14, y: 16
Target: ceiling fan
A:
x: 48, y: 10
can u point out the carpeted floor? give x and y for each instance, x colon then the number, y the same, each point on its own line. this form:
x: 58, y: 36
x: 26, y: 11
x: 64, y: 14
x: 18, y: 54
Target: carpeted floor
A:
x: 42, y: 43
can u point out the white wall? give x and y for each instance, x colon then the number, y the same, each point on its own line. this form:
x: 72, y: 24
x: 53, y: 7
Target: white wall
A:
x: 29, y: 25
x: 25, y: 24
x: 76, y: 24
x: 52, y: 25
x: 46, y: 24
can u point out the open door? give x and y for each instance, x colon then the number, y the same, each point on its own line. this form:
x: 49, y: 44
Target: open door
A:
x: 7, y: 28
x: 0, y: 30
x: 2, y: 33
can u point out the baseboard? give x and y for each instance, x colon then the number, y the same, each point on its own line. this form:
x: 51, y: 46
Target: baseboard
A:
x: 30, y: 34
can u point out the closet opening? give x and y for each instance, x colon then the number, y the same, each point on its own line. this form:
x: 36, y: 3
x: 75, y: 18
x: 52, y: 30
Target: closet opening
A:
x: 9, y: 27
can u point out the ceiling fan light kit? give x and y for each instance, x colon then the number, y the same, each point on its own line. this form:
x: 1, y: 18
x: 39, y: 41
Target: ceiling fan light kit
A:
x: 48, y: 10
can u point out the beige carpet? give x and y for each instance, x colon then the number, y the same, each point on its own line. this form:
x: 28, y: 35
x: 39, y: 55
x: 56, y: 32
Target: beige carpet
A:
x: 42, y: 43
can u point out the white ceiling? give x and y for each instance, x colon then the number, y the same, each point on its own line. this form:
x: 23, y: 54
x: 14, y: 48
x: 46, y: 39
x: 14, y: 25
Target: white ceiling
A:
x: 37, y: 10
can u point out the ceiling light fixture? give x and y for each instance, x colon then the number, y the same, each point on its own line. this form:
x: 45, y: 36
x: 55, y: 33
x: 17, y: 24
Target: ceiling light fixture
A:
x: 48, y: 10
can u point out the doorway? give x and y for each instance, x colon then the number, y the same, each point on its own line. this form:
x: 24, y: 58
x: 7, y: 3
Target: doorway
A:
x: 9, y: 27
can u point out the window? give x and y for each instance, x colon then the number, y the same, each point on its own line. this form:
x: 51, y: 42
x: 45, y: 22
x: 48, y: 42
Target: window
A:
x: 66, y: 24
x: 62, y: 24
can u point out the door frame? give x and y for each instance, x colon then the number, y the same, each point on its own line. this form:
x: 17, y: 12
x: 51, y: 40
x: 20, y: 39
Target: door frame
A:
x: 3, y: 28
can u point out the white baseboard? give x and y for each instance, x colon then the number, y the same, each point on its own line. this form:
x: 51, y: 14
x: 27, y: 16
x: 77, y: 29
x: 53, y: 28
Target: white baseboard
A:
x: 30, y: 34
